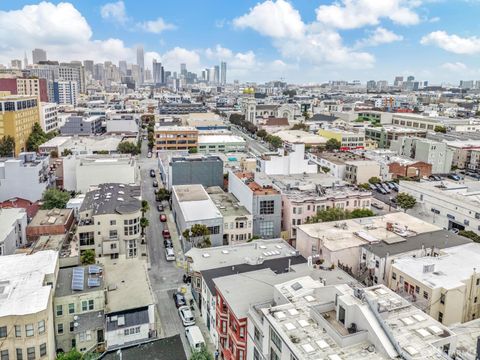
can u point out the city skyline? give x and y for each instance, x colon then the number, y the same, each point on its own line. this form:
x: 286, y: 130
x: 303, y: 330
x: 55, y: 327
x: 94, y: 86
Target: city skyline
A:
x: 298, y: 41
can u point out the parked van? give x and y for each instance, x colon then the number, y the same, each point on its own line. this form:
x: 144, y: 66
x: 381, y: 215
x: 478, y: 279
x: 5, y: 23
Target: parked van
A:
x: 194, y: 337
x: 169, y: 254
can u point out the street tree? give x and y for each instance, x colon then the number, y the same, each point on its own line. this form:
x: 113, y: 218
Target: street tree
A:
x: 374, y: 180
x: 7, y: 146
x: 143, y: 224
x: 55, y: 199
x: 73, y: 354
x: 406, y: 201
x: 203, y: 354
x: 332, y: 144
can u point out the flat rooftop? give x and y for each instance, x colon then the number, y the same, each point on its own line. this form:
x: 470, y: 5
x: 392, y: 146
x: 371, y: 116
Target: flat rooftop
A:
x: 124, y: 277
x: 340, y: 157
x: 112, y: 198
x: 195, y: 203
x: 23, y: 285
x: 344, y: 234
x: 451, y: 269
x: 92, y: 280
x: 227, y: 203
x: 220, y: 139
x: 397, y: 129
x: 51, y: 217
x: 248, y: 178
x: 299, y: 136
x: 254, y: 252
x: 175, y: 128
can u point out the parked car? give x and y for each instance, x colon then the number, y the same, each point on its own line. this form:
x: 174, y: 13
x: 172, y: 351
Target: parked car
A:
x: 390, y: 185
x: 435, y: 178
x: 385, y: 187
x: 149, y: 155
x: 186, y: 315
x: 372, y: 187
x: 163, y: 218
x: 377, y: 206
x: 454, y: 177
x: 160, y: 207
x: 152, y: 173
x: 155, y: 183
x: 194, y: 337
x: 166, y: 234
x: 381, y: 190
x: 167, y: 243
x: 179, y: 299
x: 169, y: 254
x: 395, y: 186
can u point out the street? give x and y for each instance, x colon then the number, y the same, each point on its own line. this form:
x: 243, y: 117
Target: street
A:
x: 254, y: 146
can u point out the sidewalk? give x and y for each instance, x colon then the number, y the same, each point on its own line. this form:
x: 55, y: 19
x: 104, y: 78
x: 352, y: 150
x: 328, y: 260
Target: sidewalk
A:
x: 179, y: 256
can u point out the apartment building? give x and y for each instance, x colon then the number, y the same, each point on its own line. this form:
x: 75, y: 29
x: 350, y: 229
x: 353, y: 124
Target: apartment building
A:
x: 49, y: 116
x: 302, y: 137
x: 387, y: 133
x: 348, y: 140
x: 175, y: 137
x: 26, y: 177
x: 415, y: 121
x: 340, y: 243
x: 438, y: 154
x: 26, y: 321
x: 360, y: 171
x: 237, y: 221
x: 263, y: 202
x: 78, y: 307
x: 110, y: 221
x: 306, y: 320
x: 192, y: 205
x: 18, y: 114
x: 13, y: 224
x: 288, y: 160
x: 66, y: 93
x: 465, y: 154
x: 79, y: 125
x: 448, y: 204
x: 220, y: 143
x: 447, y: 286
x: 25, y: 86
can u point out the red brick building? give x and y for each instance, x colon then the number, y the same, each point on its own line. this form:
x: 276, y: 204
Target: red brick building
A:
x: 232, y: 331
x: 417, y: 169
x: 50, y: 222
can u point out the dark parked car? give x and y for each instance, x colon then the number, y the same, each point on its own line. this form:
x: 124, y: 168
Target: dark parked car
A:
x: 435, y: 178
x: 160, y: 207
x: 179, y: 299
x: 454, y: 177
x: 167, y: 243
x: 155, y: 183
x: 163, y: 218
x: 166, y: 234
x: 152, y: 173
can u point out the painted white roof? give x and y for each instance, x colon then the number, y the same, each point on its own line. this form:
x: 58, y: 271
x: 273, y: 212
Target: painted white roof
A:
x: 23, y: 289
x: 8, y: 218
x: 195, y: 203
x: 219, y: 139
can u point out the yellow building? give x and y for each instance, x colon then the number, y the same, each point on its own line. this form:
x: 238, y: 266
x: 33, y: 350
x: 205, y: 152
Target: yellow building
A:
x: 348, y: 140
x: 18, y: 114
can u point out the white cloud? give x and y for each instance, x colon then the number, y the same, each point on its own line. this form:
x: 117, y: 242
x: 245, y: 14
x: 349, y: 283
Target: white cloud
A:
x: 454, y: 67
x: 114, y: 11
x: 156, y: 26
x: 453, y: 43
x: 174, y: 57
x: 58, y: 28
x: 276, y: 19
x: 379, y: 36
x: 352, y: 14
x: 219, y: 53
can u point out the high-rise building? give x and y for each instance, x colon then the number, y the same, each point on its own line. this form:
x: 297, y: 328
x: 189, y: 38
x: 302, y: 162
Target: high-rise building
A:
x: 223, y: 73
x: 158, y: 73
x: 183, y: 69
x: 122, y: 67
x: 411, y: 78
x: 99, y: 72
x: 16, y: 64
x: 66, y: 93
x: 216, y: 74
x: 88, y: 65
x: 39, y: 55
x: 25, y: 60
x: 141, y: 64
x: 398, y: 81
x: 371, y: 85
x: 17, y: 118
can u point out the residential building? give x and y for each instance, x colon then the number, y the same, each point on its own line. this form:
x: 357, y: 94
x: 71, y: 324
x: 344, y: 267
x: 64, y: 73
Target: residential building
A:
x: 49, y: 116
x: 375, y: 117
x: 50, y: 222
x: 81, y: 172
x: 26, y: 177
x: 415, y: 121
x: 385, y: 134
x: 175, y: 137
x: 192, y: 205
x: 13, y: 224
x: 307, y: 320
x: 110, y: 221
x: 446, y: 286
x: 181, y: 109
x: 83, y: 145
x: 18, y: 114
x: 78, y: 307
x: 264, y: 203
x: 448, y: 204
x: 193, y: 169
x: 289, y: 160
x: 299, y: 136
x: 467, y: 339
x: 339, y: 243
x: 438, y: 154
x: 171, y: 347
x: 465, y: 154
x: 221, y: 143
x: 26, y: 315
x: 122, y: 123
x: 25, y: 86
x: 360, y: 171
x: 80, y: 125
x: 348, y: 140
x: 378, y: 257
x: 237, y: 221
x: 66, y: 92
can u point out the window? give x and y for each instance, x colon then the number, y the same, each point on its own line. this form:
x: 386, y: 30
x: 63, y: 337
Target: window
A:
x: 113, y: 234
x: 87, y: 305
x: 425, y: 295
x: 266, y: 228
x: 18, y: 331
x: 29, y: 329
x: 31, y: 353
x: 41, y: 326
x: 377, y: 264
x: 417, y: 289
x: 475, y: 300
x: 3, y: 332
x: 60, y: 328
x: 276, y: 339
x: 113, y: 222
x: 19, y: 354
x: 43, y: 349
x: 273, y: 355
x: 394, y: 276
x: 257, y: 335
x: 256, y: 355
x: 72, y: 326
x: 267, y: 207
x: 440, y: 317
x: 4, y: 355
x: 132, y: 248
x: 242, y: 331
x: 442, y: 298
x: 59, y: 310
x: 71, y: 308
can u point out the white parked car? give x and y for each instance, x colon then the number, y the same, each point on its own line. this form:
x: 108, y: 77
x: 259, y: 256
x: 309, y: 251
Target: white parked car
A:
x: 188, y: 319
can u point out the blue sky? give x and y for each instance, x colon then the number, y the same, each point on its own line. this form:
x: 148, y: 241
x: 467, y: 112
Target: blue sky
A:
x: 301, y: 41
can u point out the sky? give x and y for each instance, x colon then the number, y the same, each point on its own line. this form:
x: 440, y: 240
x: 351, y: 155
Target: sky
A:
x: 298, y: 41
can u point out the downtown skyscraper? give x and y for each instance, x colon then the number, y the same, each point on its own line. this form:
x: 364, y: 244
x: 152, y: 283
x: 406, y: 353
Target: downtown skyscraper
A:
x: 141, y: 63
x: 223, y: 73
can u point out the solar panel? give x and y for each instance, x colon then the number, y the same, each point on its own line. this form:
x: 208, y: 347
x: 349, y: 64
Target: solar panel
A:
x: 93, y: 282
x: 94, y: 269
x: 78, y: 278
